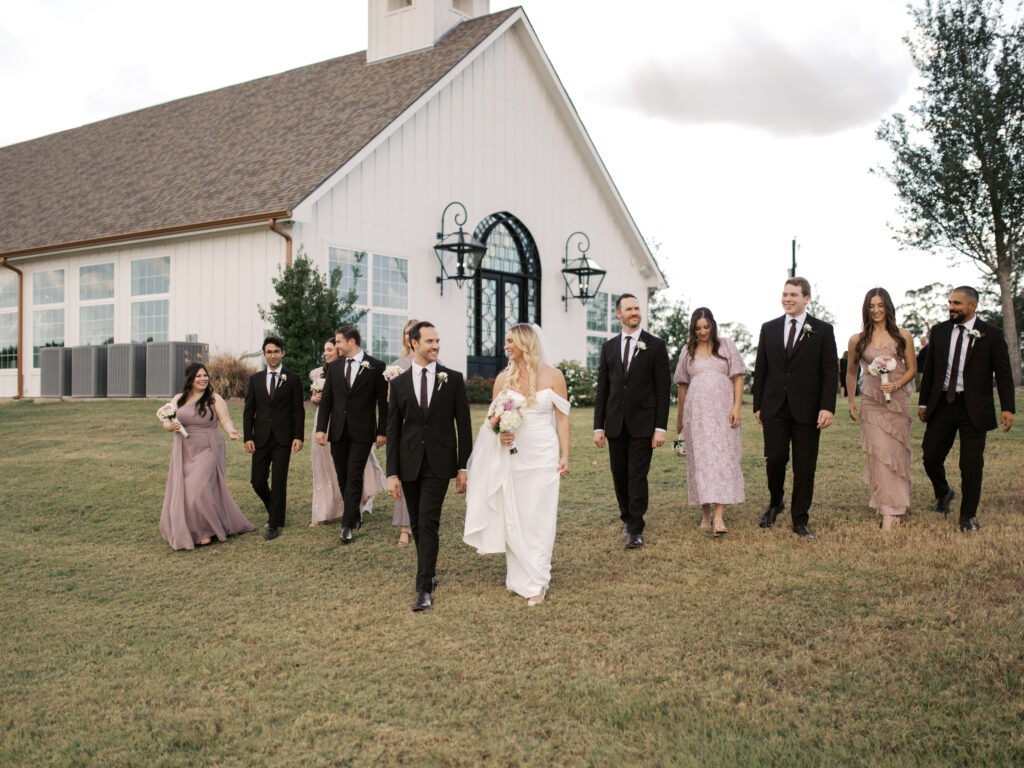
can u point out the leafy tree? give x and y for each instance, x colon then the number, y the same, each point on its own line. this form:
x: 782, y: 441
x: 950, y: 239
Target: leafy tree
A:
x: 818, y: 309
x: 670, y: 321
x: 958, y: 162
x: 924, y: 307
x: 308, y: 309
x: 746, y: 345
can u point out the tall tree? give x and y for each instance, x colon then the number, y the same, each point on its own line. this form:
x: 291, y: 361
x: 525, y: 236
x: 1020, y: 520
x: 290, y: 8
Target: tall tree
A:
x: 924, y: 307
x: 308, y: 309
x: 958, y: 162
x: 670, y: 321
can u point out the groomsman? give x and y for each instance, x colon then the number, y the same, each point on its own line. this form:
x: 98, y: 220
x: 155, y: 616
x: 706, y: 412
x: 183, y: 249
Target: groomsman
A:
x: 354, y: 388
x: 631, y: 411
x: 794, y: 399
x: 964, y: 353
x: 430, y: 438
x: 273, y: 422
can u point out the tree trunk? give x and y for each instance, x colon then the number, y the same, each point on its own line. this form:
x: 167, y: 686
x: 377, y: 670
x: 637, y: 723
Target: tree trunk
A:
x: 1010, y: 323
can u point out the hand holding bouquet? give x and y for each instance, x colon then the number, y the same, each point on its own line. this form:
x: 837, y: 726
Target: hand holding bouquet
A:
x: 391, y: 372
x: 167, y: 413
x: 882, y: 366
x: 318, y: 385
x: 506, y: 414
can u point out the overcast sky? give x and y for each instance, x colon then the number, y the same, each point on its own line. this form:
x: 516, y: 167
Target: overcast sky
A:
x: 727, y: 127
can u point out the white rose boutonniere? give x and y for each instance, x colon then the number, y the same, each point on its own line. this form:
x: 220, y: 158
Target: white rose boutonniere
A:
x: 364, y: 365
x: 975, y: 334
x: 284, y: 377
x: 807, y: 329
x: 442, y: 379
x: 640, y: 347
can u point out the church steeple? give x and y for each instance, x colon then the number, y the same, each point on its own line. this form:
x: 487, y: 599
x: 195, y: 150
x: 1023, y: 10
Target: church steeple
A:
x: 403, y: 26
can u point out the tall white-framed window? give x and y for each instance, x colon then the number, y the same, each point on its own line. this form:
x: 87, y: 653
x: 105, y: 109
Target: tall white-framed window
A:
x: 47, y: 311
x: 95, y: 304
x: 8, y: 319
x: 151, y: 302
x: 381, y: 285
x: 602, y: 324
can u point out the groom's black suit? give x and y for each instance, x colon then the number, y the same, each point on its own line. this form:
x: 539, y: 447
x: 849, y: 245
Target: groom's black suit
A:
x: 353, y: 417
x: 425, y: 451
x: 272, y: 423
x: 790, y: 391
x: 972, y: 413
x: 629, y: 405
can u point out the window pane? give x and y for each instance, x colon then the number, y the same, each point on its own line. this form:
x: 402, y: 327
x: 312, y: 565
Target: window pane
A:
x: 96, y: 324
x: 151, y: 321
x: 387, y: 336
x: 594, y: 344
x: 597, y: 313
x: 502, y: 254
x: 47, y: 331
x: 353, y: 272
x: 151, y: 276
x: 9, y: 340
x: 390, y: 282
x: 614, y: 326
x: 8, y: 289
x: 96, y: 282
x: 48, y: 287
x: 470, y: 320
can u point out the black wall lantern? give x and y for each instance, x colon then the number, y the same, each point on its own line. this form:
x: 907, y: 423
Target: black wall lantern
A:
x: 460, y: 254
x: 582, y: 276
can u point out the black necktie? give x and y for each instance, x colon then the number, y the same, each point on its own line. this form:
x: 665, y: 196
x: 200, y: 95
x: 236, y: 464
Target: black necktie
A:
x: 348, y: 371
x: 273, y: 383
x: 423, y: 390
x: 625, y: 355
x: 792, y: 338
x: 954, y: 371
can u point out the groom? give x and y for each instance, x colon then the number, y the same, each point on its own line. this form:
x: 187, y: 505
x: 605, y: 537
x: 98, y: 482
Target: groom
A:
x: 795, y: 379
x: 956, y: 396
x: 631, y: 410
x: 429, y: 442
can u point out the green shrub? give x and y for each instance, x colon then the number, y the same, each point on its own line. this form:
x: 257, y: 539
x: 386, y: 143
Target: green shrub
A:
x: 229, y: 375
x: 479, y: 389
x: 580, y: 381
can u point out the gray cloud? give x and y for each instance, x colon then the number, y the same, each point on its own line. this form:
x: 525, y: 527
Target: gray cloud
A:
x: 759, y: 81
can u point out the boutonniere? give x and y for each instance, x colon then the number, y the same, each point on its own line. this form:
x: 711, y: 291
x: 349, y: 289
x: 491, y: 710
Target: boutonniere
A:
x: 807, y: 329
x: 442, y: 379
x: 364, y: 365
x: 284, y: 377
x: 974, y: 333
x: 640, y: 346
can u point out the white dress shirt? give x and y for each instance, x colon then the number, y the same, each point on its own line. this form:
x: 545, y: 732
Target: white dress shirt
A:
x: 968, y: 326
x: 354, y: 366
x: 417, y: 376
x: 270, y: 376
x: 800, y: 320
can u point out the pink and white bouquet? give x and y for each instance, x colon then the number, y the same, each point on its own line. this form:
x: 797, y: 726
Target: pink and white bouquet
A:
x: 506, y: 414
x: 883, y: 365
x: 167, y: 413
x: 392, y: 372
x: 318, y: 385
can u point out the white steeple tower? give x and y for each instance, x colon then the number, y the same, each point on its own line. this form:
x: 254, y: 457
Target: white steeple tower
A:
x: 403, y: 26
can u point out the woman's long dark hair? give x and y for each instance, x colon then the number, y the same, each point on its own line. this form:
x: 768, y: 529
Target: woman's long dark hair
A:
x: 691, y: 344
x: 206, y: 400
x: 890, y: 324
x: 331, y: 341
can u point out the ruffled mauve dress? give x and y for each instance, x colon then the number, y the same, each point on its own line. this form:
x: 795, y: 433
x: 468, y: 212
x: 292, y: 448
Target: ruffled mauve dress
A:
x: 714, y: 474
x: 885, y: 435
x: 197, y: 503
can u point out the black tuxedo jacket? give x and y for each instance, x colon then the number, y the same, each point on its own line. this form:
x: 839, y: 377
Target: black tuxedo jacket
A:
x: 640, y: 398
x: 986, y: 357
x: 283, y: 416
x: 443, y: 436
x: 355, y: 406
x: 806, y: 379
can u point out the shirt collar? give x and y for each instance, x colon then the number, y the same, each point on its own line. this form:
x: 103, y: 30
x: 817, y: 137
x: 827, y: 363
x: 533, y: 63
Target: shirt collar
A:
x: 800, y: 319
x: 969, y: 325
x: 274, y: 370
x: 635, y: 334
x: 358, y: 358
x: 431, y: 368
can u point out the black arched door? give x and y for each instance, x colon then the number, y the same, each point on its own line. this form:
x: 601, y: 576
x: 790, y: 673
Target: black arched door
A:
x: 504, y: 291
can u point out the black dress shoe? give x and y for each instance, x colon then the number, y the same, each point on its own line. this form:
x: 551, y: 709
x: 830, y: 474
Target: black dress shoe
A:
x: 968, y: 524
x: 634, y: 541
x: 803, y: 531
x: 768, y: 516
x: 346, y: 535
x: 942, y: 503
x: 272, y: 533
x: 423, y: 601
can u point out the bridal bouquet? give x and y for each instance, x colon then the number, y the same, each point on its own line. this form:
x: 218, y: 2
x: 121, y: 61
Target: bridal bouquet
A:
x: 883, y: 365
x: 391, y: 372
x: 318, y: 385
x: 167, y: 412
x: 506, y: 414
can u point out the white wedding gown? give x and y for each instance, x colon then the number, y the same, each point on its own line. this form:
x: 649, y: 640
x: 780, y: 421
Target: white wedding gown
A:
x: 512, y: 499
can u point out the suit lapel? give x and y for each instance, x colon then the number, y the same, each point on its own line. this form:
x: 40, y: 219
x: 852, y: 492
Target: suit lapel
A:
x: 972, y: 343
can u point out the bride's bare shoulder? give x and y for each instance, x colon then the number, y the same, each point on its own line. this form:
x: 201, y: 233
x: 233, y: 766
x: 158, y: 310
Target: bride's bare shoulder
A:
x: 549, y: 376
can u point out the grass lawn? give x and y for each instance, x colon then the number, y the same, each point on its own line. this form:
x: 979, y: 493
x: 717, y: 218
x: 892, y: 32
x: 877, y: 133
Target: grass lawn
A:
x: 859, y: 648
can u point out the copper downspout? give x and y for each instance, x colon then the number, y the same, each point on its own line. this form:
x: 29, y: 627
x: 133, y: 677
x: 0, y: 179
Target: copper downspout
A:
x: 21, y: 312
x: 287, y: 240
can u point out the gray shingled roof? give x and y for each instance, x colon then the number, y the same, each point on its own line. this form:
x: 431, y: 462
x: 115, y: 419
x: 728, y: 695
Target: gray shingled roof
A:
x: 256, y: 148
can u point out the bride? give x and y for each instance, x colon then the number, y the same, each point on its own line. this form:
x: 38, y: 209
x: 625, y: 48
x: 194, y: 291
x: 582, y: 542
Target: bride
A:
x: 512, y: 499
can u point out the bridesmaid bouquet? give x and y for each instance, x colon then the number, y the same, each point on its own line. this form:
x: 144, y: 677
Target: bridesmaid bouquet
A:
x: 679, y: 448
x: 167, y: 412
x: 882, y: 366
x: 506, y: 414
x: 318, y: 385
x: 391, y: 372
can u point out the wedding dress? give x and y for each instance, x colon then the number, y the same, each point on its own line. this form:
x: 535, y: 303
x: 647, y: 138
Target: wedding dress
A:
x: 512, y: 499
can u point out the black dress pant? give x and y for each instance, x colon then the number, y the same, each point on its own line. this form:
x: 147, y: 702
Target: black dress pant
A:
x: 946, y: 420
x: 271, y: 459
x: 781, y: 432
x: 424, y: 498
x: 630, y: 459
x: 349, y: 464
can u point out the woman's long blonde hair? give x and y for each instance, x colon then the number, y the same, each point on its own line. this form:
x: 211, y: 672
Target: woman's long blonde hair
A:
x: 406, y: 346
x: 522, y: 376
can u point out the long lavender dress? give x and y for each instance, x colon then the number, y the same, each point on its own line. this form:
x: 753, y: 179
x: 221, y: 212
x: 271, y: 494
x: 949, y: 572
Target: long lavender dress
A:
x: 885, y: 435
x: 713, y: 448
x: 197, y: 502
x: 401, y: 515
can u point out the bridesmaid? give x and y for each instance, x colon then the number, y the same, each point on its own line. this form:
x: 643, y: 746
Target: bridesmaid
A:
x: 198, y: 506
x: 884, y: 426
x: 710, y: 380
x: 401, y: 515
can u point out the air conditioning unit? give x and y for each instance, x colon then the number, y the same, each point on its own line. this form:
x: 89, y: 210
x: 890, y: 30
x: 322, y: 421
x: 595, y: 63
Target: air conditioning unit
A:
x: 55, y: 371
x: 89, y: 371
x: 126, y: 370
x: 166, y: 362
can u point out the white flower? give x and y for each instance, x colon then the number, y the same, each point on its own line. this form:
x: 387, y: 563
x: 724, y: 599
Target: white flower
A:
x: 364, y: 365
x: 806, y: 329
x: 318, y: 385
x: 392, y: 372
x: 284, y: 377
x: 442, y: 379
x: 641, y: 346
x: 974, y: 333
